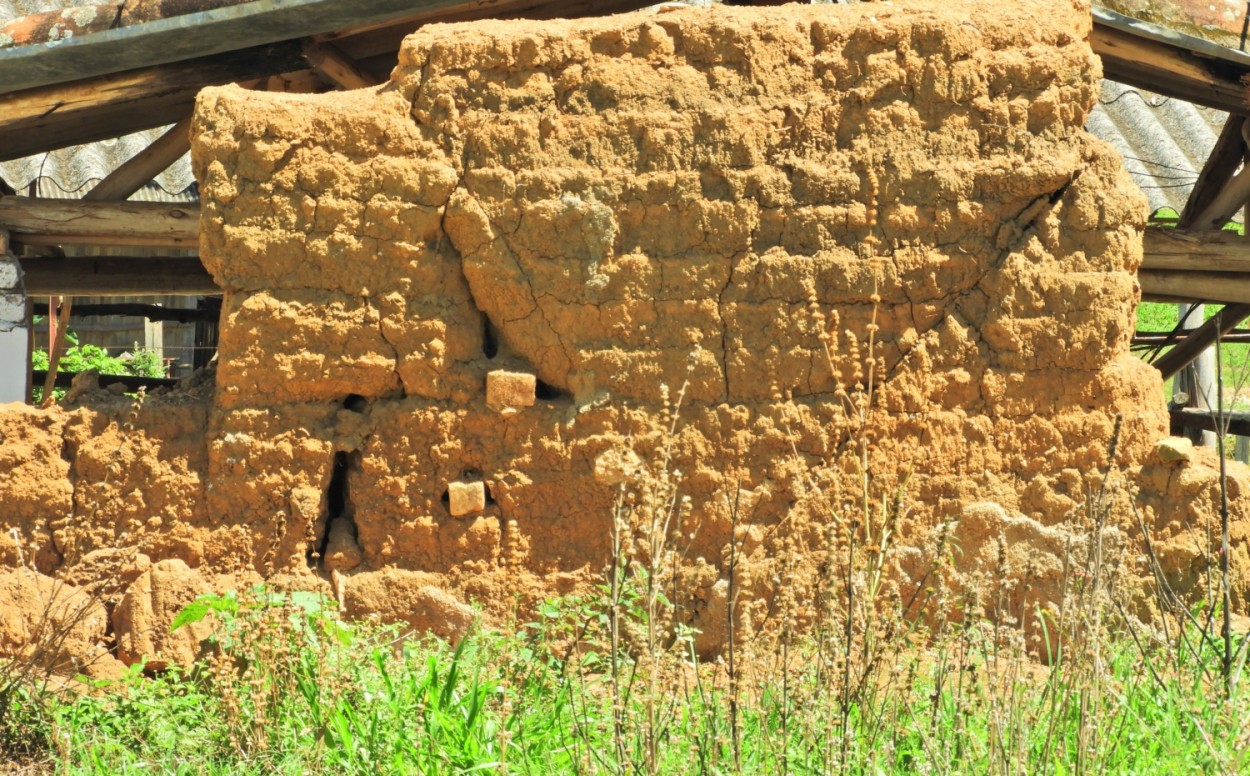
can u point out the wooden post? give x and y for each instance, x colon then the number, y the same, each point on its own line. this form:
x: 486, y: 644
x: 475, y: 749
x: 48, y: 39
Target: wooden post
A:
x: 1198, y: 378
x: 154, y: 337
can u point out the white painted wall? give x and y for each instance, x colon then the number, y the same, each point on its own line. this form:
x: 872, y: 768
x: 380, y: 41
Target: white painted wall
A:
x: 14, y: 358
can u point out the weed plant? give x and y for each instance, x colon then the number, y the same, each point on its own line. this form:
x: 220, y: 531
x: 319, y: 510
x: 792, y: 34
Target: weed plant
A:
x: 600, y: 685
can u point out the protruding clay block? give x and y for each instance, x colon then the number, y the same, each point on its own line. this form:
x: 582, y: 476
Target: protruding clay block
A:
x: 506, y: 390
x: 466, y: 498
x: 1174, y: 450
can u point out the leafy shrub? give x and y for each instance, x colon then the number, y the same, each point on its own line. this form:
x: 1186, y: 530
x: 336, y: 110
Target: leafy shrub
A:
x: 79, y: 357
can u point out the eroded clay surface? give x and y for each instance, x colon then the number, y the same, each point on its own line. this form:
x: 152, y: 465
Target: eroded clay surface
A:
x: 761, y: 212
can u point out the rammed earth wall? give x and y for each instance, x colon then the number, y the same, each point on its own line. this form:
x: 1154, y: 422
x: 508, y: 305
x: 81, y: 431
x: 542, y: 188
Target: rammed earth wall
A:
x: 762, y: 240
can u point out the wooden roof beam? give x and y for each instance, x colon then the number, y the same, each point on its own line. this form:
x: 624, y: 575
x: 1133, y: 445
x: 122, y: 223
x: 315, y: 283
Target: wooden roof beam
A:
x: 1177, y: 249
x: 201, y: 34
x: 117, y: 276
x: 78, y: 222
x: 1225, y: 156
x: 40, y: 120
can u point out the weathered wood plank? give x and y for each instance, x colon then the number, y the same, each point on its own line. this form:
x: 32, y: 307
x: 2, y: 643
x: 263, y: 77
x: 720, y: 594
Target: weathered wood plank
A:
x: 1216, y: 251
x: 40, y: 120
x: 32, y: 221
x: 201, y: 34
x: 1185, y: 285
x: 1171, y: 69
x: 117, y: 276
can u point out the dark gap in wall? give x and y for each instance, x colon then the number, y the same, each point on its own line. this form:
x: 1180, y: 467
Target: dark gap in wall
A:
x: 336, y: 508
x: 355, y: 403
x: 548, y: 392
x: 490, y: 338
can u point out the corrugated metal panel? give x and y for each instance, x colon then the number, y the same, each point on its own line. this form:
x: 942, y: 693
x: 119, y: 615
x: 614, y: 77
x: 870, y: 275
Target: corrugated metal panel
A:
x: 70, y: 172
x: 1164, y: 141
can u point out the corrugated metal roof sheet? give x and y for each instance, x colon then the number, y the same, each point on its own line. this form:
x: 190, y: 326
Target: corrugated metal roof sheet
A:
x: 70, y: 172
x: 1164, y: 141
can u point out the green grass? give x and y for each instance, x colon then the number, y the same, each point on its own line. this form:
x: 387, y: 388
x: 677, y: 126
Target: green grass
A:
x: 293, y: 689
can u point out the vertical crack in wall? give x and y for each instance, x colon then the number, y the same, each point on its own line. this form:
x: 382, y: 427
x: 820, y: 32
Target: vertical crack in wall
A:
x: 490, y: 338
x: 336, y: 501
x: 337, y: 546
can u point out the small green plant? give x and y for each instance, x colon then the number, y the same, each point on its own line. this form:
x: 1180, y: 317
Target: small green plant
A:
x: 80, y: 357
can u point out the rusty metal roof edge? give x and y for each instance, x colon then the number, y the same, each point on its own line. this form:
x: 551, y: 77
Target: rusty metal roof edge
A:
x: 1161, y: 34
x: 193, y: 35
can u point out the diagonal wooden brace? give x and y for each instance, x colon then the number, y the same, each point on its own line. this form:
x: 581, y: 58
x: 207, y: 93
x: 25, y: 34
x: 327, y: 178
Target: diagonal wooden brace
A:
x: 1201, y: 338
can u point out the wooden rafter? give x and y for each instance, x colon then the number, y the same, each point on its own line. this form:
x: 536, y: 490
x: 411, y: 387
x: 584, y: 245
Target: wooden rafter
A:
x: 71, y: 221
x: 39, y: 120
x: 1176, y: 249
x: 204, y: 33
x: 1193, y: 287
x: 1152, y: 57
x: 1221, y: 164
x: 1202, y: 338
x: 137, y: 171
x: 335, y: 66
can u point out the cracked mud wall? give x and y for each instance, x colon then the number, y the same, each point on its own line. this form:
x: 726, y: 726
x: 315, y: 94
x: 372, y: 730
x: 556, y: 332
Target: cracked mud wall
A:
x: 698, y: 197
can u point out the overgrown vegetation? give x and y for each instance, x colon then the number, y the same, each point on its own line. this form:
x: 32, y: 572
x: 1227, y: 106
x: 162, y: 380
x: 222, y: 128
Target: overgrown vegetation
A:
x: 288, y: 687
x: 81, y: 357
